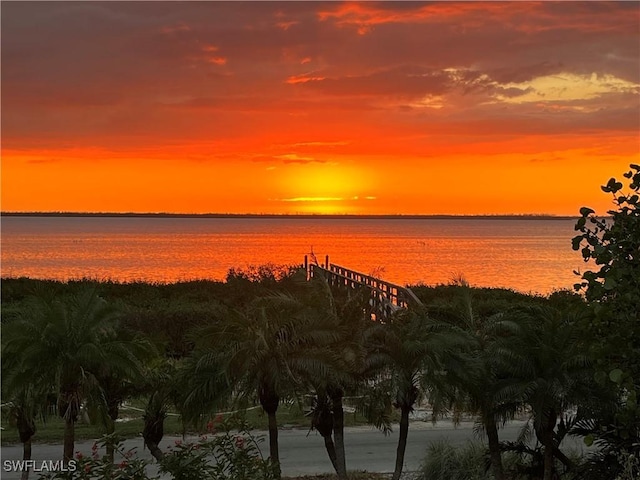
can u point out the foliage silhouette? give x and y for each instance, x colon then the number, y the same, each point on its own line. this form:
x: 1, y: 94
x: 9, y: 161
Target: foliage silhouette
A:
x: 65, y: 342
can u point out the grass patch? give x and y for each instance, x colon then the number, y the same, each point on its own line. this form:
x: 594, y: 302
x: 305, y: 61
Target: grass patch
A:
x: 52, y: 430
x: 291, y: 415
x: 445, y: 461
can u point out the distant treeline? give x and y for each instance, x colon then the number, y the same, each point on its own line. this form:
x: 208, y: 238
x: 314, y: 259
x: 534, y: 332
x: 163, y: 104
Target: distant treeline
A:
x: 293, y: 216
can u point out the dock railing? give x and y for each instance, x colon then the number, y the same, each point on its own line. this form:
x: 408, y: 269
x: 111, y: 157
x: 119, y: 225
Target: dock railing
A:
x: 387, y: 297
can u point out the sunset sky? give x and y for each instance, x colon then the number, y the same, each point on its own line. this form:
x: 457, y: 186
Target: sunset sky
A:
x: 323, y: 107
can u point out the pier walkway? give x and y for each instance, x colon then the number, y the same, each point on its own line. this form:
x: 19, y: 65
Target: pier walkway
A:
x: 386, y: 298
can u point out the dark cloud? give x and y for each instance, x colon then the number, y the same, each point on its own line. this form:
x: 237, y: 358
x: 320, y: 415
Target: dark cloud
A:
x: 407, y: 81
x: 39, y: 161
x: 512, y: 92
x: 136, y: 71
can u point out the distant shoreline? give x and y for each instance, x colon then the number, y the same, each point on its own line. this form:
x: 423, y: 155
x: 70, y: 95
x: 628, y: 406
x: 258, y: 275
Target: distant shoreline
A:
x: 287, y: 216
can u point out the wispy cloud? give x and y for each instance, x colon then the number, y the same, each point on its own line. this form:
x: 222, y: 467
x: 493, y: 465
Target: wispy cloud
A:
x: 38, y: 161
x: 311, y: 199
x: 320, y: 144
x: 284, y: 25
x: 324, y: 199
x: 179, y: 27
x: 287, y: 158
x: 304, y: 78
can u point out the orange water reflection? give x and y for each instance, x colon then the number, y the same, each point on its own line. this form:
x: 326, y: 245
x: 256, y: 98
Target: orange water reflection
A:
x: 527, y: 255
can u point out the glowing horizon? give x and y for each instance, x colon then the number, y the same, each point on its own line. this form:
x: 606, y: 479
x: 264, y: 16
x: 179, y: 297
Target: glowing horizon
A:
x: 465, y: 108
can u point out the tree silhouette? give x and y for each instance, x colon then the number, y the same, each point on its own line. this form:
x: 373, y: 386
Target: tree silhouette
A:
x: 64, y: 342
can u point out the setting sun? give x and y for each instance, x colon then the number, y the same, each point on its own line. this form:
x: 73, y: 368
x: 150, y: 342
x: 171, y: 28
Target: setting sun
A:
x: 322, y: 188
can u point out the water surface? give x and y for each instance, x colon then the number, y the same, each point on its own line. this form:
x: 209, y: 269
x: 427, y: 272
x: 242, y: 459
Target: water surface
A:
x: 527, y: 255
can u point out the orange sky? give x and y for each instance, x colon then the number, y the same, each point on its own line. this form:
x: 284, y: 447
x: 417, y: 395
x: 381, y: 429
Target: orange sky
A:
x: 292, y: 107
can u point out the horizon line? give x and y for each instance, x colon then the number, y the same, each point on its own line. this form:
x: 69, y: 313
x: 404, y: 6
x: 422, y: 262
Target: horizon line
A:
x: 521, y: 216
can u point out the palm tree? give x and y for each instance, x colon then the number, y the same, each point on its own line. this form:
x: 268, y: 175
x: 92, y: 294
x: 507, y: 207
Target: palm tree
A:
x: 348, y: 318
x: 155, y: 413
x: 203, y: 386
x: 165, y: 387
x: 557, y: 372
x: 64, y: 342
x: 477, y: 373
x: 104, y: 403
x: 409, y: 351
x: 25, y: 406
x: 322, y: 422
x: 267, y: 350
x: 26, y: 402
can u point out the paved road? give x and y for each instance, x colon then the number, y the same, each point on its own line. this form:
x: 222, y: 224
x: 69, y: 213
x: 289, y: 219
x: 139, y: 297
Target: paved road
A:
x: 303, y: 453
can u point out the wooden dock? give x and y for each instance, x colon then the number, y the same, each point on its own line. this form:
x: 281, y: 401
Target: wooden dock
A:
x: 386, y: 298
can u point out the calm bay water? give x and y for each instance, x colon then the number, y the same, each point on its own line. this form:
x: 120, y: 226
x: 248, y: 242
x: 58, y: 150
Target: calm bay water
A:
x: 526, y: 255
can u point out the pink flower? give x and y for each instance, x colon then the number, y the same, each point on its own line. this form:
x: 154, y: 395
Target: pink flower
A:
x: 211, y: 428
x: 178, y: 442
x: 239, y: 442
x: 79, y: 455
